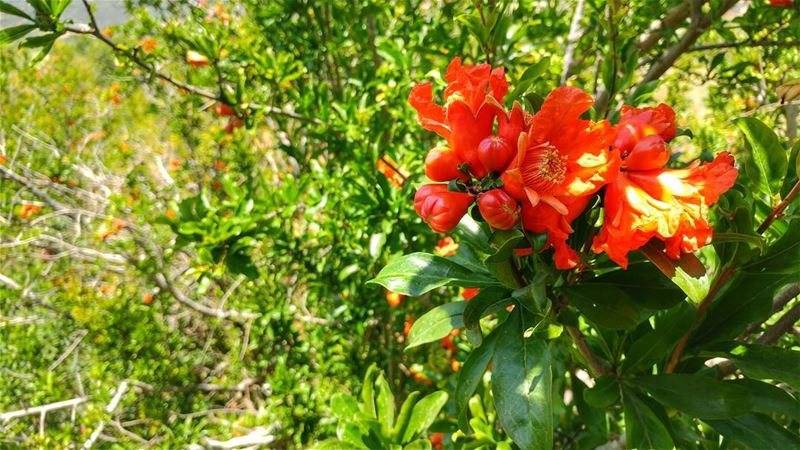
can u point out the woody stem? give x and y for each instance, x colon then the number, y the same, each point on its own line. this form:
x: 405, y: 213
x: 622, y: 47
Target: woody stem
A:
x: 776, y: 213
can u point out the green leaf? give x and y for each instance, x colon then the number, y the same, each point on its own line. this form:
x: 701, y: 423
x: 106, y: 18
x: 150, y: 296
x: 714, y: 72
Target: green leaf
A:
x: 470, y: 375
x: 766, y: 162
x: 376, y: 243
x: 528, y: 77
x: 604, y: 393
x: 643, y: 283
x: 756, y: 431
x: 11, y: 34
x: 487, y: 301
x: 423, y: 414
x: 404, y: 416
x: 385, y: 405
x: 344, y: 406
x: 766, y: 362
x: 335, y: 444
x: 8, y: 8
x: 751, y: 239
x: 368, y: 391
x: 436, y: 323
x: 522, y: 385
x: 643, y: 427
x: 41, y: 40
x: 782, y: 256
x: 419, y: 444
x: 697, y: 395
x: 470, y: 232
x: 769, y: 399
x: 746, y: 299
x: 505, y: 241
x: 605, y: 304
x: 418, y: 273
x: 658, y: 343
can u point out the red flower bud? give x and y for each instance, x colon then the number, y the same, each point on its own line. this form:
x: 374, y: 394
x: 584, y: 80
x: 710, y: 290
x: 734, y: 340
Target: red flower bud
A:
x: 781, y: 3
x: 440, y: 208
x: 223, y: 109
x: 499, y: 209
x: 441, y: 164
x: 650, y: 153
x: 495, y: 153
x: 514, y: 185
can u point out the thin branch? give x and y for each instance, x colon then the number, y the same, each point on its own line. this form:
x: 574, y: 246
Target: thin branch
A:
x: 783, y: 325
x: 580, y: 342
x: 110, y: 408
x: 25, y: 293
x: 700, y: 48
x: 575, y: 33
x: 5, y: 417
x: 81, y: 334
x: 778, y: 211
x: 93, y: 29
x: 782, y: 298
x: 719, y: 282
x: 670, y: 21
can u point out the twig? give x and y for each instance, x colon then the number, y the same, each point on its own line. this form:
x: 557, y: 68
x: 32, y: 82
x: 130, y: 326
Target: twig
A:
x: 671, y: 20
x: 778, y: 210
x: 93, y: 29
x: 782, y: 298
x: 719, y: 282
x: 783, y: 325
x: 580, y: 342
x: 700, y: 48
x: 25, y: 293
x: 5, y: 417
x: 110, y: 408
x: 81, y: 334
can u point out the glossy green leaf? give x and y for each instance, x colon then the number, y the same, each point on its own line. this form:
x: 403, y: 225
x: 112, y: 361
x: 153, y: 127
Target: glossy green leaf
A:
x: 470, y: 375
x: 368, y: 391
x: 643, y: 427
x: 757, y: 432
x: 11, y: 34
x: 643, y: 283
x: 697, y: 395
x: 436, y: 323
x: 344, y: 406
x: 604, y: 393
x: 487, y: 301
x: 8, y: 8
x: 766, y: 162
x: 769, y: 399
x: 504, y: 241
x: 423, y: 414
x: 522, y: 382
x: 404, y: 417
x: 385, y: 405
x: 766, y: 362
x: 418, y: 273
x: 658, y: 343
x: 605, y: 305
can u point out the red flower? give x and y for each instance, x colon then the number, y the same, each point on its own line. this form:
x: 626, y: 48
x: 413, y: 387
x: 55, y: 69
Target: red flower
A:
x: 544, y: 219
x: 647, y: 201
x: 499, y: 209
x: 561, y: 162
x: 473, y: 98
x: 781, y: 3
x: 440, y: 208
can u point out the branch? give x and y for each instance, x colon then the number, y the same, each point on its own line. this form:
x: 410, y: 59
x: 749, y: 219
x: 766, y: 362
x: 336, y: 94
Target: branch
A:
x: 25, y: 293
x: 782, y: 298
x: 671, y: 20
x: 110, y: 408
x: 580, y: 342
x: 5, y: 417
x: 7, y: 173
x: 94, y: 30
x: 784, y: 324
x: 699, y: 24
x: 778, y: 211
x: 700, y: 48
x: 575, y: 33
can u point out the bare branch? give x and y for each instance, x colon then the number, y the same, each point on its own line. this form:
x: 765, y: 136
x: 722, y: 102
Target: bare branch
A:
x: 110, y: 408
x: 575, y: 33
x: 5, y: 417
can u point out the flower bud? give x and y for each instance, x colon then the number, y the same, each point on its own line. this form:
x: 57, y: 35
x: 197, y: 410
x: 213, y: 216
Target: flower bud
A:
x: 495, y: 153
x: 650, y: 153
x: 499, y: 209
x: 514, y: 185
x: 441, y: 164
x: 440, y: 208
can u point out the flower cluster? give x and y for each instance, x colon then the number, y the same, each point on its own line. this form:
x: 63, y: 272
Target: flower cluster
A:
x: 542, y: 171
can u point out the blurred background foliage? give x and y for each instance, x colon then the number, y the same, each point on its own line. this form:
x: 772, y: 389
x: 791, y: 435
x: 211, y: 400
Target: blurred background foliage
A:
x: 286, y: 208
